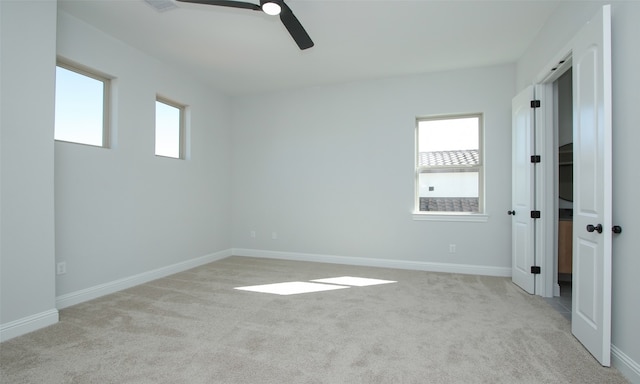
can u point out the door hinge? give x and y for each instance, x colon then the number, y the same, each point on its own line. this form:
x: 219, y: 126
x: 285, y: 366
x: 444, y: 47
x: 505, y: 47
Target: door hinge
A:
x: 535, y: 103
x: 535, y: 214
x: 535, y: 159
x: 535, y: 269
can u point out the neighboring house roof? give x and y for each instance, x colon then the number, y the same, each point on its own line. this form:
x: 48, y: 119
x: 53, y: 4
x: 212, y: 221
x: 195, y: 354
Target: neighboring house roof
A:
x: 449, y: 204
x: 445, y: 158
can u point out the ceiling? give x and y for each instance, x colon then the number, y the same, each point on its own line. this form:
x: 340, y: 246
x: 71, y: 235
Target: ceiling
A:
x: 240, y: 51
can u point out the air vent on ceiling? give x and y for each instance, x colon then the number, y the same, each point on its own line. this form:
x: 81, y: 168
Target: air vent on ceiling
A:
x: 162, y: 5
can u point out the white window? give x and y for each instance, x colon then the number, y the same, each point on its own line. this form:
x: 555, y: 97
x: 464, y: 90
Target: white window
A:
x: 449, y: 174
x: 81, y: 112
x: 170, y: 126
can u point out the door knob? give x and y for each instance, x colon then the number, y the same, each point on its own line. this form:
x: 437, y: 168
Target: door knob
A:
x: 616, y: 229
x: 597, y: 228
x: 511, y: 213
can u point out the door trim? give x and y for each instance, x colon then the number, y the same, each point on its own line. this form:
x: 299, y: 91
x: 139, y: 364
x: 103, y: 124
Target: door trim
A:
x: 546, y: 237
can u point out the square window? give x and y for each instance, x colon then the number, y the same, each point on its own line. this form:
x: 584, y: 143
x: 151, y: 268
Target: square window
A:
x: 169, y: 129
x: 81, y: 107
x: 449, y: 172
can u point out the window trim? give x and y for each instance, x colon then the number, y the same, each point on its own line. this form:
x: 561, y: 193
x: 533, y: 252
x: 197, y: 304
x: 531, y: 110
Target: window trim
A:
x: 106, y: 99
x: 450, y: 216
x: 481, y: 215
x: 182, y: 135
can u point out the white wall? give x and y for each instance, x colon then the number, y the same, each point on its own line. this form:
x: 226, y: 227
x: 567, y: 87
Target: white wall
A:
x: 331, y: 169
x: 124, y: 211
x: 626, y: 136
x: 27, y: 285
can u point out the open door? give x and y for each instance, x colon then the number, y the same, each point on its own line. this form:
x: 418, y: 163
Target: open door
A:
x: 592, y: 223
x: 522, y: 195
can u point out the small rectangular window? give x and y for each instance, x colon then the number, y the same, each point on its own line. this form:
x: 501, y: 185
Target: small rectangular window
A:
x: 449, y: 172
x: 81, y: 113
x: 169, y: 129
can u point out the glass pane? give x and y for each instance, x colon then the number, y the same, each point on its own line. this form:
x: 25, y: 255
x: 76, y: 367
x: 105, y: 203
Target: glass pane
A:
x: 79, y: 108
x: 167, y: 130
x: 448, y: 134
x: 449, y: 191
x: 449, y: 161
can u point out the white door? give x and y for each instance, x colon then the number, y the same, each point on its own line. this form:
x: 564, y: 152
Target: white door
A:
x: 591, y: 315
x: 522, y: 226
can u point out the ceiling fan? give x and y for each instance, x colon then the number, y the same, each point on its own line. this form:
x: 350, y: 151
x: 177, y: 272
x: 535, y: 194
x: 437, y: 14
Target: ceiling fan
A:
x: 270, y: 7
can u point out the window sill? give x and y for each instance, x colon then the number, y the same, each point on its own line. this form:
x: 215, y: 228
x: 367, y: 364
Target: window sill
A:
x: 462, y: 217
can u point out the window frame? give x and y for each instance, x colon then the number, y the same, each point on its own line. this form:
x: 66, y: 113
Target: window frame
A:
x: 106, y: 100
x: 182, y: 134
x: 479, y: 216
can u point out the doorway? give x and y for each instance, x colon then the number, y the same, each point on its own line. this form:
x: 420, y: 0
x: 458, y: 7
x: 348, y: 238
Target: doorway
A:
x: 563, y: 128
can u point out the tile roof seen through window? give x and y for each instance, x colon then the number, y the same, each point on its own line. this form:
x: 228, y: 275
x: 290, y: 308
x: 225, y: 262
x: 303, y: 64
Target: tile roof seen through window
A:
x: 446, y: 158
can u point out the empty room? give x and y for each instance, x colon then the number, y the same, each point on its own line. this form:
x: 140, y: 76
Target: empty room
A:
x: 319, y: 191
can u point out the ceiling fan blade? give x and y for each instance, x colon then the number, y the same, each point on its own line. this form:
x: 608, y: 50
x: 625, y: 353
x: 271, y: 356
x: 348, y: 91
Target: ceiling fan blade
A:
x: 294, y: 27
x: 226, y: 3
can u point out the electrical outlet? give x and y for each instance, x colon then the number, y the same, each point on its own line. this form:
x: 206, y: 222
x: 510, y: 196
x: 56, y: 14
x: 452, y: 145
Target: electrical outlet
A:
x: 61, y: 268
x: 452, y: 248
x: 252, y: 234
x: 274, y: 235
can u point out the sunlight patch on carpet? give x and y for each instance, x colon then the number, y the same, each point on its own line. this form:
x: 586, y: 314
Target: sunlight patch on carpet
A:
x: 354, y: 281
x: 291, y: 288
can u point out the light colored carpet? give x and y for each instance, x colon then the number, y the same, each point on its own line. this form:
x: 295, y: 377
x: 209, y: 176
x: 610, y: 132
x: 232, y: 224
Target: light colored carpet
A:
x: 193, y: 327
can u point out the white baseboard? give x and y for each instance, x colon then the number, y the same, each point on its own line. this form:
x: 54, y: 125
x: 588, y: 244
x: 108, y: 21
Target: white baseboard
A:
x: 28, y: 324
x: 623, y: 363
x: 73, y: 298
x: 384, y: 263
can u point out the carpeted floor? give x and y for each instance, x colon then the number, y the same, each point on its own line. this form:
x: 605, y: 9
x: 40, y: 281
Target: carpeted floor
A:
x: 193, y: 327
